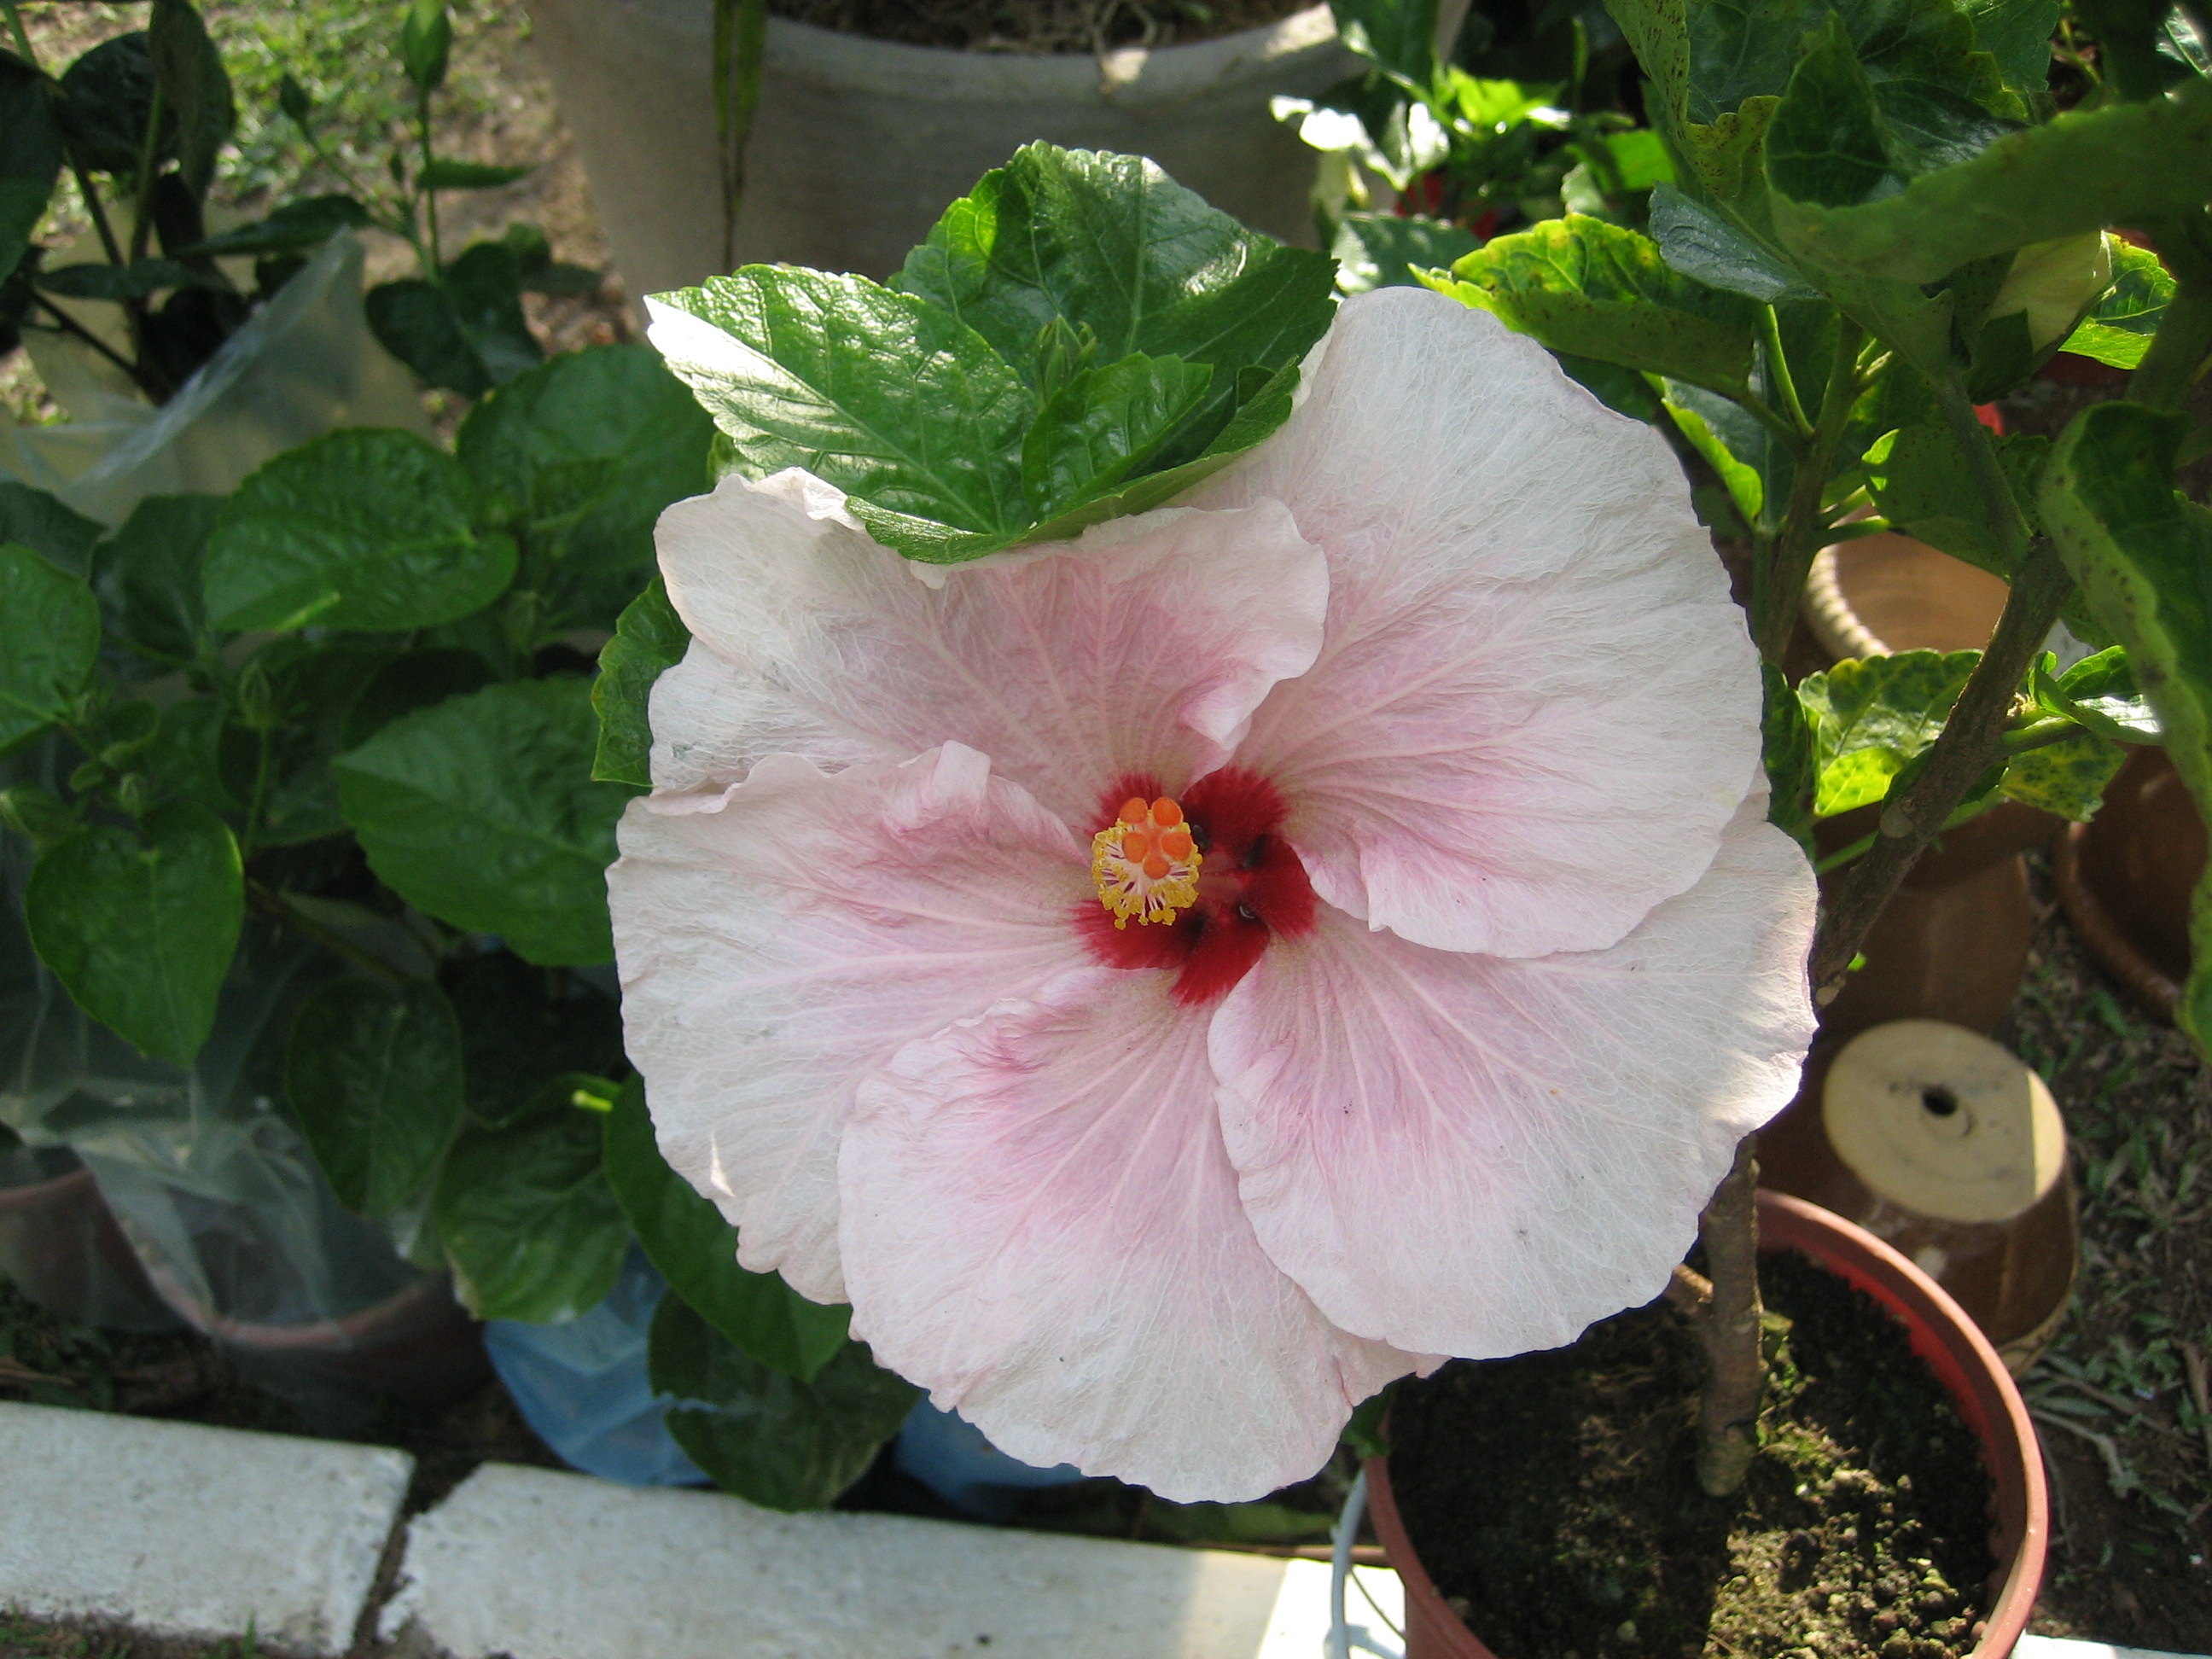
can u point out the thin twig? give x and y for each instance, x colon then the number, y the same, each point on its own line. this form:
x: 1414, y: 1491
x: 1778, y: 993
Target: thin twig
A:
x: 2122, y: 1479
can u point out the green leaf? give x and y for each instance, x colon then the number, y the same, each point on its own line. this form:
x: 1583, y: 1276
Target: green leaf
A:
x: 292, y: 228
x: 442, y: 175
x: 1738, y: 50
x: 576, y: 460
x: 697, y: 1252
x: 372, y: 1072
x: 141, y: 931
x: 649, y: 640
x: 2119, y: 164
x: 107, y: 97
x: 1101, y: 425
x: 185, y: 755
x: 2017, y: 34
x: 1826, y: 144
x: 30, y: 157
x: 189, y: 71
x: 310, y: 691
x: 365, y: 529
x: 94, y: 281
x: 1752, y: 463
x: 426, y: 40
x: 1873, y: 716
x: 1381, y: 250
x: 149, y: 577
x: 1921, y: 482
x: 1701, y: 245
x: 38, y: 521
x: 2067, y: 778
x: 520, y: 1029
x: 485, y: 287
x: 2142, y: 554
x: 1396, y: 35
x: 761, y: 1434
x: 1792, y: 760
x: 2118, y: 329
x: 1594, y: 290
x: 48, y: 646
x: 528, y: 1221
x: 2101, y: 693
x: 416, y: 322
x: 888, y: 397
x: 482, y: 811
x: 409, y: 681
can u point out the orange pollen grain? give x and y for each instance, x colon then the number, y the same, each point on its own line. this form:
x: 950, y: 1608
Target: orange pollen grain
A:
x: 1165, y: 812
x: 1175, y: 843
x: 1135, y: 845
x: 1156, y: 867
x: 1134, y: 810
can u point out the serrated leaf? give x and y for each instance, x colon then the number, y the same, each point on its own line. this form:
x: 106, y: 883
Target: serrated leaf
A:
x: 365, y: 529
x: 2118, y: 329
x: 1826, y: 144
x: 527, y: 1219
x: 1701, y: 245
x: 149, y: 577
x: 1921, y: 482
x: 2101, y: 693
x: 482, y: 811
x: 1384, y: 250
x: 372, y: 1072
x: 1581, y: 286
x: 649, y: 640
x: 576, y: 459
x: 1753, y: 464
x: 1788, y: 749
x: 2066, y: 778
x: 2017, y: 34
x: 48, y: 646
x: 312, y: 690
x: 1101, y: 425
x: 141, y: 931
x: 2141, y: 554
x: 1395, y: 35
x: 685, y: 1237
x: 1872, y: 717
x: 765, y: 1436
x: 38, y: 521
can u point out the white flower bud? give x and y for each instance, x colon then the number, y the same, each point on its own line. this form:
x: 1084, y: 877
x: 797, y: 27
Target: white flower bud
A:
x: 2054, y: 283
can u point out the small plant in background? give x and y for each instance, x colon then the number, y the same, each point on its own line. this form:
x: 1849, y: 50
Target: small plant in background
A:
x: 1490, y: 137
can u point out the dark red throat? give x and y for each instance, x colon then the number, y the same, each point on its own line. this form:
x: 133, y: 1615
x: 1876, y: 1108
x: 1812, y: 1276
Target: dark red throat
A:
x: 1251, y: 888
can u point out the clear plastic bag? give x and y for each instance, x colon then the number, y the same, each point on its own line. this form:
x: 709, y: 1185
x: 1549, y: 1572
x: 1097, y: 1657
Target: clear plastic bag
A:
x: 303, y: 364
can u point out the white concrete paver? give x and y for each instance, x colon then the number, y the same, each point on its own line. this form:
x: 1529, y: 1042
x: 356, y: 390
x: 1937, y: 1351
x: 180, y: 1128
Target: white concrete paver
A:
x: 2054, y: 1647
x: 542, y: 1566
x: 182, y: 1529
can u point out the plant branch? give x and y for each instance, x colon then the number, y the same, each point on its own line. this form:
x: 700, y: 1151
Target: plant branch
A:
x: 1775, y: 599
x: 1736, y: 1374
x: 69, y: 325
x: 1974, y: 738
x: 1779, y: 379
x: 274, y: 903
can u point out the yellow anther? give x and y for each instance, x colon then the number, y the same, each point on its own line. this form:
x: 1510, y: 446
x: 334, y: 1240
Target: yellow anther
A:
x: 1145, y: 863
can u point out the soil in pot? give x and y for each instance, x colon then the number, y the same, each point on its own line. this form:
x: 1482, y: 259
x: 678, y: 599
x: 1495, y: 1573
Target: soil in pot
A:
x: 1555, y: 1496
x: 1038, y: 25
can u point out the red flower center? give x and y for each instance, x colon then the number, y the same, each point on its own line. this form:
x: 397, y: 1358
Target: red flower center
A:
x: 1251, y: 887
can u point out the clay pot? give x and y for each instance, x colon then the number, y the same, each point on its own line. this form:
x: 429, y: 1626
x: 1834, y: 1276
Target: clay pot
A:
x: 1961, y: 1358
x: 1952, y: 943
x: 61, y: 1247
x: 1944, y: 1145
x: 1887, y: 592
x: 2127, y: 876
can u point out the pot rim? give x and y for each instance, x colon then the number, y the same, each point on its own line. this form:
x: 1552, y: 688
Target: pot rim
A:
x: 1963, y: 1360
x: 1128, y: 75
x: 2102, y: 933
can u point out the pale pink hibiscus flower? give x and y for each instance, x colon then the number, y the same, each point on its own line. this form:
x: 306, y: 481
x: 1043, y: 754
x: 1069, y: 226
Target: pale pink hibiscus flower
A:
x: 1432, y: 726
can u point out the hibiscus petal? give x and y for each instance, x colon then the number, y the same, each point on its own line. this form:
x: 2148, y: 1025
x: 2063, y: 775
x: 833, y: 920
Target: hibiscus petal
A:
x: 1041, y: 1227
x: 713, y: 720
x: 781, y: 940
x: 1536, y: 708
x: 1481, y: 1155
x: 1144, y: 647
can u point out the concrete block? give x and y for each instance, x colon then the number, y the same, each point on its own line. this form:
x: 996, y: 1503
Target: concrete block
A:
x: 182, y: 1529
x: 2066, y: 1647
x: 536, y: 1565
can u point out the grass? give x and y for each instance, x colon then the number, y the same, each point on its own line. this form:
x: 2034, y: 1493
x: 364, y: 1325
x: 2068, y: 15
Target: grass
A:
x: 22, y: 1636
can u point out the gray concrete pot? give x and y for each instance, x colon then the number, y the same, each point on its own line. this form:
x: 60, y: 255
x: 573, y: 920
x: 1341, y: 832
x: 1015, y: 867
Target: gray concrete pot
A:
x: 859, y: 144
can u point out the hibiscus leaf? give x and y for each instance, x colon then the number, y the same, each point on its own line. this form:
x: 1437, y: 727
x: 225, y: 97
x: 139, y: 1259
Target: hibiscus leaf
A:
x: 2017, y: 34
x: 1752, y: 463
x: 1871, y: 717
x: 49, y: 647
x: 527, y: 1219
x: 1741, y: 49
x: 149, y: 577
x: 364, y: 529
x: 312, y: 690
x: 761, y: 1434
x: 1700, y: 243
x: 1381, y: 250
x: 1111, y: 244
x: 37, y: 521
x: 575, y: 460
x: 697, y: 1252
x: 649, y: 640
x: 1788, y: 749
x: 2118, y: 329
x: 1594, y: 290
x: 482, y: 811
x: 140, y: 927
x: 2101, y: 693
x: 2067, y: 777
x: 372, y: 1072
x: 2141, y: 552
x: 891, y: 399
x: 1102, y: 424
x: 1921, y: 482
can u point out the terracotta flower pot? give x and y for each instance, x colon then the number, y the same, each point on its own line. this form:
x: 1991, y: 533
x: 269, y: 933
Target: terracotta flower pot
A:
x: 61, y: 1247
x: 2126, y: 877
x: 857, y: 145
x: 1962, y: 1360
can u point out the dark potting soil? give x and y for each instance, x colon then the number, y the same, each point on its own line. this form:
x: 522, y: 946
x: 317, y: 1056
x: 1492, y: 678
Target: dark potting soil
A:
x: 1554, y: 1498
x: 1038, y: 25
